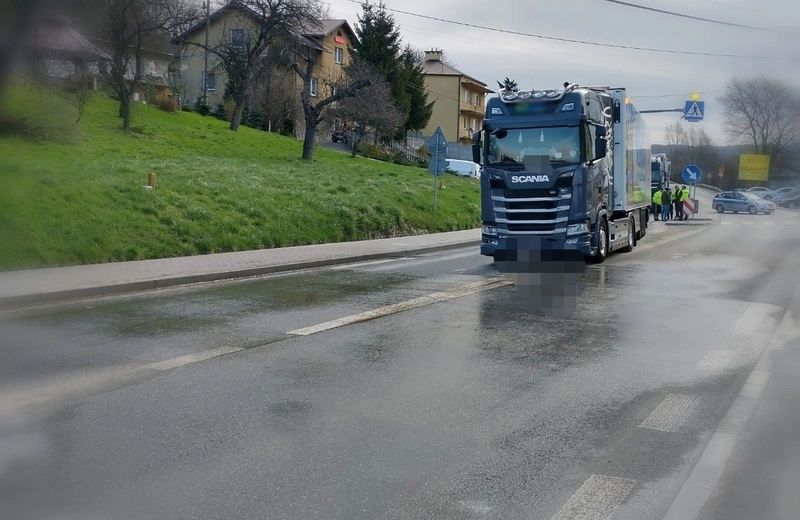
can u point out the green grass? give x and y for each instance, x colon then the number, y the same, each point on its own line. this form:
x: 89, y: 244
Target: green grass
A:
x: 80, y: 200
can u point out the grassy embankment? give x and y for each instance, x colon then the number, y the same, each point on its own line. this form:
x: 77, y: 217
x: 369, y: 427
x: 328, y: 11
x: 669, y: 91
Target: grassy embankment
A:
x: 80, y: 199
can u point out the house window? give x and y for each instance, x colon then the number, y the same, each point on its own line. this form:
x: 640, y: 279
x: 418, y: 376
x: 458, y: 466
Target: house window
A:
x: 467, y: 96
x: 152, y: 67
x: 210, y: 80
x: 237, y: 38
x: 478, y: 99
x: 314, y: 87
x: 338, y: 55
x: 466, y: 123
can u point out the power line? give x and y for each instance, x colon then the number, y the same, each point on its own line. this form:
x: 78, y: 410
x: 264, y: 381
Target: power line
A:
x: 682, y: 94
x: 731, y: 5
x: 681, y: 15
x: 568, y: 40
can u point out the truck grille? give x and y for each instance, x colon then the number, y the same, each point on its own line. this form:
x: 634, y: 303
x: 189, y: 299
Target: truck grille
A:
x: 530, y: 211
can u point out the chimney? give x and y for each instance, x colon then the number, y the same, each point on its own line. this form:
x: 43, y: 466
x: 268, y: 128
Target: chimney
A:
x: 433, y: 55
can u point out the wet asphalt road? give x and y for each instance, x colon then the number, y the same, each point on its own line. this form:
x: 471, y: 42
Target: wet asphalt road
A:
x: 474, y: 407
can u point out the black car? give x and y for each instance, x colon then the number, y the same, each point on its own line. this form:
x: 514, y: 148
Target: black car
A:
x: 790, y: 200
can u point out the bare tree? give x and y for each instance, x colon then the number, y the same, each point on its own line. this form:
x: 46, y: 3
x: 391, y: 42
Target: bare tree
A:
x: 132, y: 24
x: 352, y: 80
x: 370, y: 110
x: 692, y: 147
x: 762, y: 113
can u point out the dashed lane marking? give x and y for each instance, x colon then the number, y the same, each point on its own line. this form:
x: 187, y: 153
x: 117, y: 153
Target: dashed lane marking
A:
x: 671, y: 414
x: 422, y: 301
x: 597, y: 499
x: 755, y: 315
x: 716, y: 360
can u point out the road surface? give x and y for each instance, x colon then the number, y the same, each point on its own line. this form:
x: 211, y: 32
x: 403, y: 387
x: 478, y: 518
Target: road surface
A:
x: 404, y: 389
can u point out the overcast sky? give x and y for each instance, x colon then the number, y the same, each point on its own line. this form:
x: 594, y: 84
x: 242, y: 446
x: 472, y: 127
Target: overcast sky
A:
x: 654, y: 80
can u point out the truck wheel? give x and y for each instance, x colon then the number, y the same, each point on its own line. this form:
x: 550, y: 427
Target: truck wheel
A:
x: 602, y: 243
x: 631, y: 237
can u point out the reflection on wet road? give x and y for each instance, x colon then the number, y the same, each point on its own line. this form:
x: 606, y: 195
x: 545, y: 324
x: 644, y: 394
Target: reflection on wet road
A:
x: 472, y: 406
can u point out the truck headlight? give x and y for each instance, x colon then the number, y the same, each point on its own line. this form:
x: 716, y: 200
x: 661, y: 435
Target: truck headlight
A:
x: 488, y: 230
x: 578, y: 229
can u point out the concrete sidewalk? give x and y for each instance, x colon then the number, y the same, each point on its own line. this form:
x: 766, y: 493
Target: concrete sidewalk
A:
x: 63, y: 283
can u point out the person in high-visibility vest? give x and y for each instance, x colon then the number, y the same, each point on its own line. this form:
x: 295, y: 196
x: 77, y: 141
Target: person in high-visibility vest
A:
x: 657, y: 202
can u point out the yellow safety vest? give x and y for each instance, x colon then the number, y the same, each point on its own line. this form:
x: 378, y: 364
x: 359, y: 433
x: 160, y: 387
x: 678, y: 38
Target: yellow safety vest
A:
x: 684, y: 195
x: 657, y: 197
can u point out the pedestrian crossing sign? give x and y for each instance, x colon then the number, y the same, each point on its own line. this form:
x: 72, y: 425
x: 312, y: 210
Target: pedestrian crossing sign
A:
x: 694, y: 110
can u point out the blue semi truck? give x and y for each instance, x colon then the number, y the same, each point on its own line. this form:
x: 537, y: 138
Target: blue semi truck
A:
x: 565, y: 169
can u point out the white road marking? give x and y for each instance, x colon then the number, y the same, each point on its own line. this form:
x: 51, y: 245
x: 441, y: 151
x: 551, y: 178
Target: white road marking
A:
x: 748, y: 322
x: 726, y: 223
x: 679, y: 255
x: 747, y: 223
x: 597, y: 499
x: 716, y: 360
x: 671, y: 414
x: 459, y: 270
x: 193, y: 358
x: 422, y: 301
x: 769, y: 222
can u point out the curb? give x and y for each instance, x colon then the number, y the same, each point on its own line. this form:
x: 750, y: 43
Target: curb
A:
x: 701, y: 483
x: 183, y: 279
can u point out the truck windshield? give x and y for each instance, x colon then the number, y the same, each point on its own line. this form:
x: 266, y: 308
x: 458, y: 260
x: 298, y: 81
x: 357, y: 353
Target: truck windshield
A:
x: 562, y: 144
x: 656, y: 172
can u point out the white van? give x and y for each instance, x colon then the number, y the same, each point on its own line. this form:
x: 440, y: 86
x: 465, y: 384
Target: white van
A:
x: 463, y: 168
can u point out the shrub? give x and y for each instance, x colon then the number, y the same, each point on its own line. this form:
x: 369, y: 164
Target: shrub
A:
x: 201, y: 108
x: 167, y: 105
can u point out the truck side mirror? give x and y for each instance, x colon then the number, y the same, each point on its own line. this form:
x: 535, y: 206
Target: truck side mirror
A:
x: 600, y: 143
x: 476, y: 147
x: 476, y: 153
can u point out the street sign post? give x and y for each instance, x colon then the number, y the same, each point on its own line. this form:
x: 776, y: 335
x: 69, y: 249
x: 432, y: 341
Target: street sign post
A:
x: 694, y: 110
x: 692, y: 174
x: 437, y: 164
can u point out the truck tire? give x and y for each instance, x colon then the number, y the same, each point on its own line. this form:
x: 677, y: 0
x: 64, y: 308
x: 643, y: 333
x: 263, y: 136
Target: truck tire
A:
x: 602, y: 243
x: 631, y: 236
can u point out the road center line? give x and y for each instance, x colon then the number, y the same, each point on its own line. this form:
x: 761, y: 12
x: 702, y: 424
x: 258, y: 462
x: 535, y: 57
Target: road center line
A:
x: 422, y: 301
x: 597, y: 498
x: 193, y: 358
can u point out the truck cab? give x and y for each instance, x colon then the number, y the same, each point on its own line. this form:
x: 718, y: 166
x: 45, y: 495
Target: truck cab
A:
x: 548, y: 171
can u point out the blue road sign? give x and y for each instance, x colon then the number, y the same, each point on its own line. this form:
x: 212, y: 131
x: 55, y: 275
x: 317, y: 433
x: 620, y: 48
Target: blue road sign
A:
x: 437, y: 144
x: 692, y: 174
x: 437, y: 165
x: 694, y: 110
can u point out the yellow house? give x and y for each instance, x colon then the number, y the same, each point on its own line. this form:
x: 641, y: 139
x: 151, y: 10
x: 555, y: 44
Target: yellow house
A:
x: 329, y: 40
x: 459, y: 99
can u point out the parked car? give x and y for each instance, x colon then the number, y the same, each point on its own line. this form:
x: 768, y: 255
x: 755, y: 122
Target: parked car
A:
x: 786, y: 189
x: 737, y: 201
x: 788, y: 200
x: 463, y: 168
x: 764, y: 193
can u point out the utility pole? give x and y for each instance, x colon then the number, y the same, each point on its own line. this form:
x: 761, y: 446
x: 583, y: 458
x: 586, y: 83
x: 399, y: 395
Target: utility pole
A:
x: 205, y: 63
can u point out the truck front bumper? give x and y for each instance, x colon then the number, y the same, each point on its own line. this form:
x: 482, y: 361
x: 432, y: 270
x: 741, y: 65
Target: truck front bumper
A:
x: 491, y: 244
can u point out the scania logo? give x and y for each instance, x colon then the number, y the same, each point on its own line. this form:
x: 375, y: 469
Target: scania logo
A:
x: 530, y: 178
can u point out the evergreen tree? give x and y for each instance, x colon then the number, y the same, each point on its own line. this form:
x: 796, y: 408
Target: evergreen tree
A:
x: 380, y: 46
x: 420, y: 111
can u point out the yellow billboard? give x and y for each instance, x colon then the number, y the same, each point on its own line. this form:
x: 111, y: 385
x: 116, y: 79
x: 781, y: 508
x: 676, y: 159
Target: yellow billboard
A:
x: 753, y: 167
